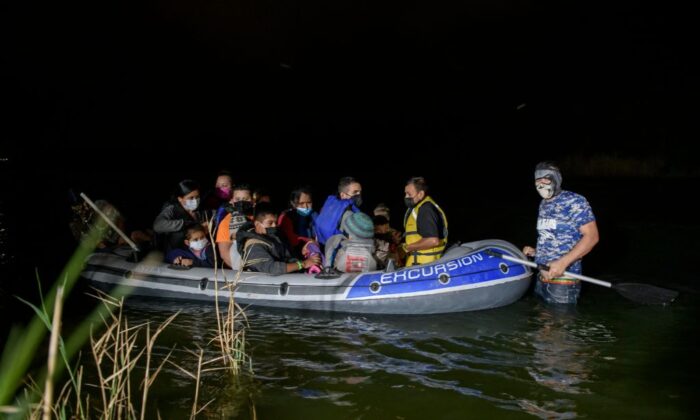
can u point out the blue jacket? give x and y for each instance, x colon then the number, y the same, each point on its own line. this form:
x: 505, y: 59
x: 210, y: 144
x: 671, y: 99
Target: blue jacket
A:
x: 328, y: 221
x: 206, y: 258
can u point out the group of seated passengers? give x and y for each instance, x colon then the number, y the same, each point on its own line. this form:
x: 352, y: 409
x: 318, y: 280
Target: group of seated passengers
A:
x: 270, y: 243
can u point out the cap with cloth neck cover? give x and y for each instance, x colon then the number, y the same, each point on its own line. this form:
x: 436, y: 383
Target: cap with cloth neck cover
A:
x: 550, y: 171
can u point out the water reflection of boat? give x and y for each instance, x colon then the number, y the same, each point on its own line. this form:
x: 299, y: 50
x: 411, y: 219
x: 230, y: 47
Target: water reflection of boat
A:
x: 464, y: 279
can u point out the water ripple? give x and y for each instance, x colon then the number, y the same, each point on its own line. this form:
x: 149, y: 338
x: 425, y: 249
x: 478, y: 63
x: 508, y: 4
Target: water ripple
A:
x: 522, y: 358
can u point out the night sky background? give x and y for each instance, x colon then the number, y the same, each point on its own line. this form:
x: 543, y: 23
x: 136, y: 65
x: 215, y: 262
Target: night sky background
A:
x: 246, y: 79
x: 97, y: 94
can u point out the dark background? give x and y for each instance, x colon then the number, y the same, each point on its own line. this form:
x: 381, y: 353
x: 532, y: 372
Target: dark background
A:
x: 236, y: 81
x: 123, y: 99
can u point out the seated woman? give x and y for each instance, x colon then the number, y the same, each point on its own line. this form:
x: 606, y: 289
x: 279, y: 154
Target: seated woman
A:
x: 297, y: 223
x: 177, y: 214
x: 220, y: 195
x: 354, y: 253
x: 261, y: 248
x: 198, y: 252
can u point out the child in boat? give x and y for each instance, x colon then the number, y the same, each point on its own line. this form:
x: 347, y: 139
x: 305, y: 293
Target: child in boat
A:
x: 235, y: 214
x: 198, y: 252
x: 263, y: 251
x: 385, y: 242
x: 354, y: 253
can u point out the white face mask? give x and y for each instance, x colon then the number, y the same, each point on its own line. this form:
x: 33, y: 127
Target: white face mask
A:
x: 545, y: 190
x: 199, y: 245
x: 191, y: 204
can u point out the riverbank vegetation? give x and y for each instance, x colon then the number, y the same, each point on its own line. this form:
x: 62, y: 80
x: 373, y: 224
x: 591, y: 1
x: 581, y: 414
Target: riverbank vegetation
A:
x: 105, y: 367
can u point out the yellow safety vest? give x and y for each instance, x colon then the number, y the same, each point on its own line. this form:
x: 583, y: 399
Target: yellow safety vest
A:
x: 410, y: 223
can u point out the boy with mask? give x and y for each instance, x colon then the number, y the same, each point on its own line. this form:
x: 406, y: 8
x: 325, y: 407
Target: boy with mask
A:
x: 262, y: 249
x: 237, y: 212
x: 567, y: 231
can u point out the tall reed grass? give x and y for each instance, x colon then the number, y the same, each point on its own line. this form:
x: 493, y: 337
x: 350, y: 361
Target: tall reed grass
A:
x: 122, y: 353
x: 231, y: 325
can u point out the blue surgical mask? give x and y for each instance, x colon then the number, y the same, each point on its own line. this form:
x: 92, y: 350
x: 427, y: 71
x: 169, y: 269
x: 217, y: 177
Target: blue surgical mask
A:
x: 199, y: 245
x: 304, y: 211
x: 191, y: 204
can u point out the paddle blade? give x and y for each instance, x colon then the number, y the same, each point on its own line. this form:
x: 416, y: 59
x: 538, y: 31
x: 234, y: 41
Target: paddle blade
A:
x: 646, y: 293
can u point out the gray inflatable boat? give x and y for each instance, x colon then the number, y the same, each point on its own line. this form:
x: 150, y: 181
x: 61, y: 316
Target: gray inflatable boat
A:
x: 466, y: 278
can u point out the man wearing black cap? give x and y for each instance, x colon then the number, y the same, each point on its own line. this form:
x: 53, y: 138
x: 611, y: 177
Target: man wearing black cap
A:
x: 566, y: 230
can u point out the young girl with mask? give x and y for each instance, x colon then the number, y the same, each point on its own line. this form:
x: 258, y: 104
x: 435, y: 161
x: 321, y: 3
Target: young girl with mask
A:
x: 197, y: 252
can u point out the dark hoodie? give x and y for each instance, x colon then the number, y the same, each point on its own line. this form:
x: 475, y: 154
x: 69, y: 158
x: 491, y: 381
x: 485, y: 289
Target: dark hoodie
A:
x: 262, y: 253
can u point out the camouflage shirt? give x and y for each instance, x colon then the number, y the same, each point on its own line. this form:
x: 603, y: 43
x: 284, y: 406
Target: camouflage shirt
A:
x: 558, y: 227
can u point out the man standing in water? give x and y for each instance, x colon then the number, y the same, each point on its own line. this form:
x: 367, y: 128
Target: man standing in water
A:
x: 566, y: 231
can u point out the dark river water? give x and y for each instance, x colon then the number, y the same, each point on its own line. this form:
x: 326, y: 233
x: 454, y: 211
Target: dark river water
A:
x: 121, y: 100
x: 605, y: 358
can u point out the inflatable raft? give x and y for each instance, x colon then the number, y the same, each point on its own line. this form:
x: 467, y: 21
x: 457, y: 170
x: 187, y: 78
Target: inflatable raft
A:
x: 466, y: 278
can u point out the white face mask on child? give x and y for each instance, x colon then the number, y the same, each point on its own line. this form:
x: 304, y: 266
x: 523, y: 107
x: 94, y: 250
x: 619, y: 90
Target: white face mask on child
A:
x: 199, y: 245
